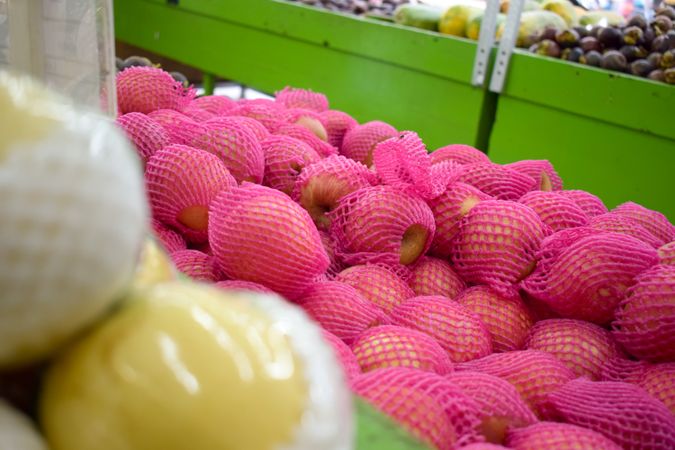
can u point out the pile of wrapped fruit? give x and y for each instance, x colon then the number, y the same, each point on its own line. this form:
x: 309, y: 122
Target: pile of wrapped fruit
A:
x: 384, y: 8
x: 479, y: 305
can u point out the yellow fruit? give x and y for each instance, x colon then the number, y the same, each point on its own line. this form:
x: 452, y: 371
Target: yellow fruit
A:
x: 564, y: 9
x: 455, y: 19
x: 531, y: 24
x: 154, y: 265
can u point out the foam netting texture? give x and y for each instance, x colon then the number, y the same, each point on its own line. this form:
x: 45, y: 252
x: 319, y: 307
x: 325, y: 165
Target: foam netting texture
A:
x: 434, y: 276
x: 460, y: 153
x: 240, y: 285
x: 622, y: 224
x: 377, y: 284
x: 555, y: 210
x: 370, y: 226
x: 345, y: 356
x: 259, y: 234
x: 293, y: 115
x: 359, y: 142
x: 147, y: 135
x: 449, y: 209
x: 458, y: 331
x: 321, y: 185
x: 197, y: 114
x: 302, y: 98
x: 583, y: 347
x: 218, y: 105
x: 296, y: 131
x: 197, y: 265
x: 393, y: 346
x: 236, y: 146
x: 558, y: 436
x: 285, y: 158
x: 533, y: 373
x: 330, y: 246
x: 180, y: 128
x: 170, y: 240
x: 645, y: 319
x: 667, y: 254
x: 654, y: 221
x: 426, y: 404
x: 587, y: 279
x: 498, y: 181
x: 337, y: 124
x: 146, y: 89
x: 341, y: 309
x: 497, y: 243
x: 588, y: 202
x: 495, y: 397
x: 621, y: 411
x: 541, y: 170
x: 266, y: 112
x: 179, y: 177
x: 506, y: 318
x: 483, y: 446
x: 256, y: 128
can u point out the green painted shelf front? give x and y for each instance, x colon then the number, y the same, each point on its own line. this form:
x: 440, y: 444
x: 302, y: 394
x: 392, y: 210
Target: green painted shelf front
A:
x: 608, y: 133
x: 374, y: 70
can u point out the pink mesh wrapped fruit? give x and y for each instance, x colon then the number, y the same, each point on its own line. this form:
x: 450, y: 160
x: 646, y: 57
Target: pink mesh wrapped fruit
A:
x: 497, y: 243
x: 555, y: 210
x: 461, y: 334
x: 533, y: 373
x: 541, y: 170
x: 302, y: 98
x: 197, y: 114
x: 645, y: 319
x: 667, y: 254
x: 321, y: 185
x: 337, y: 124
x: 654, y: 221
x: 259, y: 234
x: 588, y: 202
x: 382, y: 224
x: 426, y: 404
x: 146, y: 89
x: 559, y: 436
x: 180, y: 128
x: 181, y: 183
x: 498, y: 181
x: 344, y: 355
x: 583, y: 347
x: 197, y: 265
x: 586, y: 279
x: 360, y: 141
x: 434, y: 276
x: 462, y: 154
x: 310, y: 120
x: 506, y: 318
x: 483, y: 446
x: 330, y: 246
x: 170, y: 240
x: 147, y: 135
x: 449, y: 209
x: 500, y: 405
x: 245, y: 286
x: 657, y: 379
x: 621, y: 411
x: 394, y: 346
x: 266, y: 112
x: 340, y: 309
x: 218, y: 105
x: 285, y: 159
x: 256, y: 128
x: 299, y: 132
x: 378, y: 285
x: 625, y: 225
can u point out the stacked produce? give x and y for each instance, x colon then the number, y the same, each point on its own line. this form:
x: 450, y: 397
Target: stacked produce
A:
x: 382, y: 8
x: 445, y: 282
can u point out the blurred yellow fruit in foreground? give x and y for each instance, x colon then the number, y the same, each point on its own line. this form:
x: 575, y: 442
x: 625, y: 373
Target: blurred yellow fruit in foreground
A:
x: 154, y: 265
x: 185, y: 366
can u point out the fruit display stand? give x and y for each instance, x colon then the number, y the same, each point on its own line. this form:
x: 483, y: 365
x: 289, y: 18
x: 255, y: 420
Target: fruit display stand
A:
x: 606, y: 132
x: 413, y: 79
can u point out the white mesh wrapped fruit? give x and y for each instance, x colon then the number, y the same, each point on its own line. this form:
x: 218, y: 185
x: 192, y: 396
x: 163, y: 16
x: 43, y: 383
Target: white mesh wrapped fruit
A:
x: 382, y: 224
x: 498, y: 181
x: 583, y: 347
x: 181, y: 182
x: 618, y: 223
x: 542, y: 171
x: 285, y: 159
x: 434, y: 276
x: 588, y: 202
x: 555, y: 210
x: 221, y: 370
x: 302, y: 98
x: 462, y: 154
x: 72, y: 219
x: 146, y: 89
x: 497, y: 243
x: 197, y: 265
x: 506, y: 318
x: 147, y: 135
x: 259, y: 234
x: 17, y: 432
x: 360, y: 141
x: 378, y: 285
x: 559, y: 436
x: 337, y: 124
x: 654, y: 221
x: 461, y: 334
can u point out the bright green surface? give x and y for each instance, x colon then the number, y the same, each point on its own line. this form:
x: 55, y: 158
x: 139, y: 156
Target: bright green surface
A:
x: 610, y: 134
x: 414, y: 80
x: 377, y: 432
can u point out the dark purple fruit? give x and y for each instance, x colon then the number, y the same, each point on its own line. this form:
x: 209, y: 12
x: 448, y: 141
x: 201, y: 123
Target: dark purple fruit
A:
x: 667, y: 11
x: 595, y: 31
x: 610, y: 38
x: 660, y: 44
x: 633, y: 52
x: 180, y: 78
x: 669, y: 75
x: 592, y: 58
x: 654, y: 59
x: 581, y: 31
x: 614, y: 60
x: 638, y: 20
x: 533, y: 48
x: 137, y: 61
x: 657, y: 75
x: 661, y: 25
x: 590, y: 43
x: 648, y: 36
x: 641, y: 67
x: 670, y: 37
x: 547, y: 47
x: 632, y: 35
x: 548, y: 33
x: 572, y: 54
x: 668, y: 60
x: 567, y: 38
